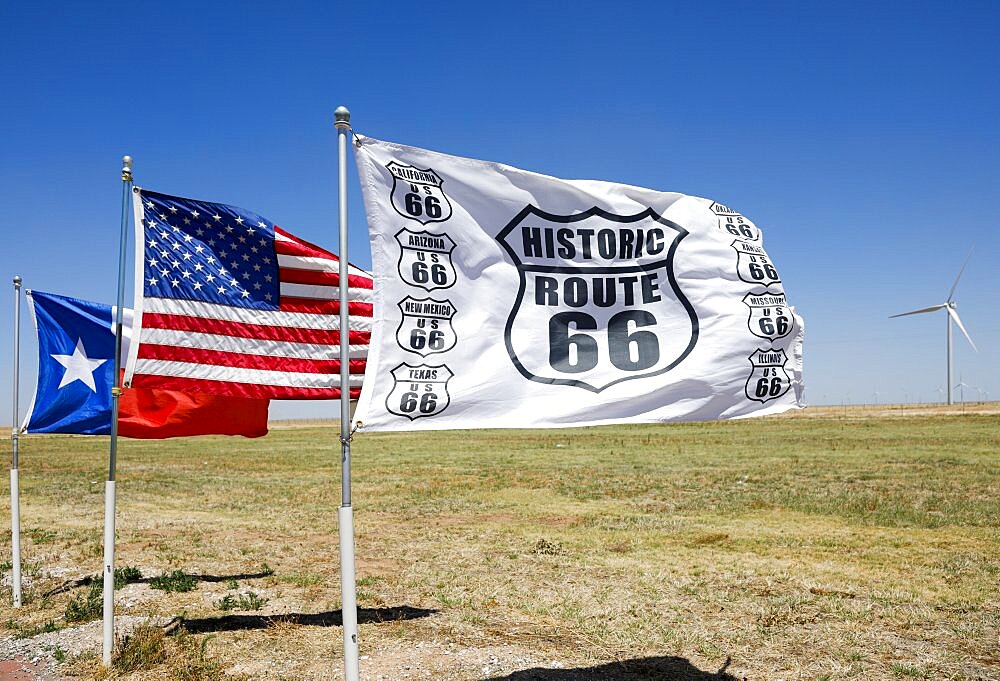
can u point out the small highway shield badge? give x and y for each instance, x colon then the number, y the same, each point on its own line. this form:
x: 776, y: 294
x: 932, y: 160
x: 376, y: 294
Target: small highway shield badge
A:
x: 425, y: 259
x: 425, y: 327
x: 754, y: 265
x: 417, y: 193
x: 768, y: 380
x: 419, y: 391
x: 770, y: 317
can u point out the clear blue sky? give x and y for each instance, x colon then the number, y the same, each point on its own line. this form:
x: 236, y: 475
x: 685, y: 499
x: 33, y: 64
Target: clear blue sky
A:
x: 864, y: 138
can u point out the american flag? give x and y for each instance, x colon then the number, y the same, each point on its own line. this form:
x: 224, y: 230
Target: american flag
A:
x: 231, y: 304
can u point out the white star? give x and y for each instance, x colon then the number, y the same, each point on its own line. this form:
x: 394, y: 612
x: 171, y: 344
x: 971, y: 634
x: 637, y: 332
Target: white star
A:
x: 217, y: 217
x: 152, y: 282
x: 149, y: 205
x: 164, y: 235
x: 246, y: 294
x: 223, y: 271
x: 174, y: 282
x: 267, y: 296
x: 251, y: 230
x: 186, y: 274
x: 195, y: 214
x: 197, y: 285
x: 210, y: 278
x: 229, y: 228
x: 152, y: 243
x: 239, y: 221
x: 256, y: 286
x: 210, y: 260
x: 262, y: 225
x: 233, y: 282
x: 199, y: 248
x: 188, y: 237
x: 198, y: 267
x: 79, y: 367
x: 187, y: 221
x: 187, y: 255
x: 222, y: 290
x: 173, y: 209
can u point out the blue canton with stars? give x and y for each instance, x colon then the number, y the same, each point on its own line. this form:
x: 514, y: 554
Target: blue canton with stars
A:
x: 209, y: 252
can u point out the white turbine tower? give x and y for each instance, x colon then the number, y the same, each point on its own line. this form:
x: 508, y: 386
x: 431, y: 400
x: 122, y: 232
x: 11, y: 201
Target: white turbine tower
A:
x: 949, y: 306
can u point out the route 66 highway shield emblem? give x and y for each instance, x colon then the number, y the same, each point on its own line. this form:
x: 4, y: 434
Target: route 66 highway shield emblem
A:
x: 598, y: 301
x: 425, y: 259
x: 770, y: 316
x: 419, y: 390
x: 417, y: 193
x: 768, y: 380
x: 425, y: 327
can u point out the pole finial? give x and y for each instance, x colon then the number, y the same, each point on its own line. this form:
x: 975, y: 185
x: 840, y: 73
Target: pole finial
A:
x: 342, y: 118
x: 126, y: 168
x: 17, y: 281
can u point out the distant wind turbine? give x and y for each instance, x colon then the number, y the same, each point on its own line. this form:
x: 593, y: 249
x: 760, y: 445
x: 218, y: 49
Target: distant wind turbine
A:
x: 949, y: 306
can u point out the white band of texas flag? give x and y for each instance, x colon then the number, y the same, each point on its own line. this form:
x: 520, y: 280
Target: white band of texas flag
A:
x: 228, y: 303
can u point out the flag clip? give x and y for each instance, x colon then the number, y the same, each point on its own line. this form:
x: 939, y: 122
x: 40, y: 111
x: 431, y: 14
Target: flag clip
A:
x: 347, y: 440
x: 116, y: 391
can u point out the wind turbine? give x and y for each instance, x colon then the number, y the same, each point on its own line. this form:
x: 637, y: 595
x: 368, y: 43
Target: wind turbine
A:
x: 949, y: 306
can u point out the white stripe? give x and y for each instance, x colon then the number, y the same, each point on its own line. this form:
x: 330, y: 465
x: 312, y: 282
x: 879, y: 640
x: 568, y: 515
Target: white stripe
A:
x: 306, y: 262
x: 321, y: 292
x: 248, y: 346
x: 301, y: 320
x: 211, y: 372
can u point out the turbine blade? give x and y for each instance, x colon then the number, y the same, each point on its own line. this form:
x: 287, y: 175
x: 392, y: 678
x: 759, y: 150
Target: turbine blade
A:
x: 954, y: 315
x: 951, y: 293
x: 926, y: 309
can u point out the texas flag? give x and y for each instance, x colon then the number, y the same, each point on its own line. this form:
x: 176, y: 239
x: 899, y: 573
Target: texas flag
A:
x: 76, y: 364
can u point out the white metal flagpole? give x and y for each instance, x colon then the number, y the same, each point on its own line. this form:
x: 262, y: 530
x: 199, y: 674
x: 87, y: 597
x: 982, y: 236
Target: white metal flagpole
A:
x: 15, y: 484
x: 345, y: 514
x: 109, y: 486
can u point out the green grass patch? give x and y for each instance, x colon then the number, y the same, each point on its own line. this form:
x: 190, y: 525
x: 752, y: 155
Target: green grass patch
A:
x: 178, y: 581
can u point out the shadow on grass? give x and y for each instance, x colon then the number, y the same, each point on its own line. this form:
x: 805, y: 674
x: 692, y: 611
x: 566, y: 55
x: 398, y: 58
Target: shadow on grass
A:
x: 331, y: 618
x: 640, y: 669
x: 71, y: 584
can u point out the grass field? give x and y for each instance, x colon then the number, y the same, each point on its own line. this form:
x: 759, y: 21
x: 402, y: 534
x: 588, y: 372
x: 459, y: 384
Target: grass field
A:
x: 831, y: 544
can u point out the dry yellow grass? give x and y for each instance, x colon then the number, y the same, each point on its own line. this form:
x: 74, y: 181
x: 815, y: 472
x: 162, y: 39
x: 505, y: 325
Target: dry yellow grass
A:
x: 836, y: 543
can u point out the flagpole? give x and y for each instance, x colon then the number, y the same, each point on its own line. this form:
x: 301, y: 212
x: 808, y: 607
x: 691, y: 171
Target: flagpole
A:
x: 109, y: 486
x: 15, y: 484
x: 345, y: 514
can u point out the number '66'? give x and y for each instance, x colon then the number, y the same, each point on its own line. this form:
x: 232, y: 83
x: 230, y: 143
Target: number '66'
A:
x: 628, y: 349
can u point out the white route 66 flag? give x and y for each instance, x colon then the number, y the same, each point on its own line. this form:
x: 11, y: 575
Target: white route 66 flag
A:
x: 509, y: 299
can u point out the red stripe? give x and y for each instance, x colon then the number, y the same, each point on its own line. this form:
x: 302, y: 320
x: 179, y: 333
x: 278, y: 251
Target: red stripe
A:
x: 292, y: 275
x: 297, y: 246
x: 287, y: 365
x: 302, y: 247
x: 198, y: 385
x: 176, y: 322
x: 314, y: 305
